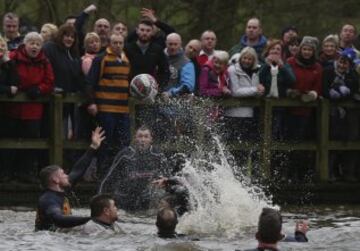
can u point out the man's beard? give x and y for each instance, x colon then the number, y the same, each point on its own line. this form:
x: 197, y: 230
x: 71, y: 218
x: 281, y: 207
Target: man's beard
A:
x: 144, y: 39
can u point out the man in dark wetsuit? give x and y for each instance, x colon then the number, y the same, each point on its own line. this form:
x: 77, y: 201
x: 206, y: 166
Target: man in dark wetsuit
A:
x: 132, y: 171
x: 269, y: 231
x: 54, y: 209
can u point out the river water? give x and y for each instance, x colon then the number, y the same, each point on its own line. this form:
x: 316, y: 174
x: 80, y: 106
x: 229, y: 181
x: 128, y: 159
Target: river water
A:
x: 336, y: 228
x: 225, y: 210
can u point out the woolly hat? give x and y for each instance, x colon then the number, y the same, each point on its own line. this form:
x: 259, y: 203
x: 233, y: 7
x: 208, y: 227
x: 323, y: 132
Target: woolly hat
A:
x: 312, y: 42
x: 332, y: 38
x: 349, y: 54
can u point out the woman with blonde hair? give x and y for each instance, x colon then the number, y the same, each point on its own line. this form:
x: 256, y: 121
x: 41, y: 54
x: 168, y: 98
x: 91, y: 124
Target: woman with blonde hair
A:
x: 92, y: 45
x: 244, y: 82
x: 49, y: 32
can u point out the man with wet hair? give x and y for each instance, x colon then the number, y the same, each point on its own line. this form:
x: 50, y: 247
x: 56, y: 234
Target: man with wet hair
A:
x: 11, y: 31
x: 166, y: 221
x: 269, y: 231
x: 54, y: 209
x: 104, y: 215
x: 132, y: 171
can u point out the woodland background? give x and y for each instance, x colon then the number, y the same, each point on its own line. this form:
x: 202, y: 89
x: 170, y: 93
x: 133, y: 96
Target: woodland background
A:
x: 190, y: 17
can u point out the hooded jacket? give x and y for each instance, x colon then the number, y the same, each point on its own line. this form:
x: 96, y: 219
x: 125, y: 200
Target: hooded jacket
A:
x: 211, y: 84
x: 32, y: 72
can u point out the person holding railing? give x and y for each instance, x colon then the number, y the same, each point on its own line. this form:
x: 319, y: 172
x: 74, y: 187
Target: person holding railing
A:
x: 308, y: 87
x: 278, y: 77
x: 36, y: 80
x: 340, y: 82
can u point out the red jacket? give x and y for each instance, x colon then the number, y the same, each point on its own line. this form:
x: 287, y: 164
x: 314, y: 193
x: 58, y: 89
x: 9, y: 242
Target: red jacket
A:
x: 32, y: 72
x: 210, y: 83
x: 307, y: 79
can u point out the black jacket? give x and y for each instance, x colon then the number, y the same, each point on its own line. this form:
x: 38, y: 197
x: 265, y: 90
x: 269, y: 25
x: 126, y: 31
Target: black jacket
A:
x: 54, y: 209
x: 8, y: 76
x: 66, y: 67
x: 153, y: 62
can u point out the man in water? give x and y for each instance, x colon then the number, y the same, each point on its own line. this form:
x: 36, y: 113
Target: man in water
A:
x: 103, y: 216
x: 54, y: 209
x: 132, y: 171
x: 166, y: 222
x: 269, y: 231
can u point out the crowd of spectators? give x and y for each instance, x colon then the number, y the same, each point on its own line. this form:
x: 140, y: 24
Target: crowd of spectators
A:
x: 101, y: 63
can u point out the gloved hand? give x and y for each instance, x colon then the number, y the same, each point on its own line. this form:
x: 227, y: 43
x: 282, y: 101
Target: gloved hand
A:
x: 33, y: 92
x: 344, y: 90
x: 334, y: 94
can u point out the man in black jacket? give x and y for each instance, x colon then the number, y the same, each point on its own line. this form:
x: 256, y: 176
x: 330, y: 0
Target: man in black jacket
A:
x: 54, y: 209
x: 146, y: 56
x: 132, y: 171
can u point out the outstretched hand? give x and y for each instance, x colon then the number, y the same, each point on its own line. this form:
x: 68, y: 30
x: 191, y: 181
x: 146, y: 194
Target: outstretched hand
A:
x: 149, y: 13
x: 90, y: 8
x: 97, y: 136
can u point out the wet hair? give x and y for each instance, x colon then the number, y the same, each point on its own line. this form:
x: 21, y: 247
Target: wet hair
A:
x: 271, y: 44
x: 67, y: 29
x: 98, y: 203
x: 31, y: 36
x: 46, y: 173
x: 269, y: 226
x: 144, y: 128
x: 166, y: 220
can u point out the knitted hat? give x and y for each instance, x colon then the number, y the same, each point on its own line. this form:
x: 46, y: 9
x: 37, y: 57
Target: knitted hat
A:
x: 349, y: 54
x: 332, y: 38
x: 312, y: 42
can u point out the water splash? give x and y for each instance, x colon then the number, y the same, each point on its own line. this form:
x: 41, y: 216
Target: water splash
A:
x: 222, y: 205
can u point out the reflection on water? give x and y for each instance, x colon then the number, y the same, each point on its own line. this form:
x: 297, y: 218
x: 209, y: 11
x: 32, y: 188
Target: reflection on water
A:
x: 330, y: 229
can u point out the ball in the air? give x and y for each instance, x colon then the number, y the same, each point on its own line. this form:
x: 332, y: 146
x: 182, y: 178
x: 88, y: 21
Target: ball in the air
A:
x: 144, y: 87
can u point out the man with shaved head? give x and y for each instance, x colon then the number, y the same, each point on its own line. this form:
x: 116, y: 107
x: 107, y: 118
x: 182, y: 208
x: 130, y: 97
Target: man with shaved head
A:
x: 182, y: 71
x: 192, y: 51
x: 253, y: 38
x: 102, y: 28
x: 208, y: 44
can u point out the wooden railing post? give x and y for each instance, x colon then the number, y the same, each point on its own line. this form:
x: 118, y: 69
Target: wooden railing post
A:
x: 56, y: 134
x: 266, y: 141
x: 322, y: 153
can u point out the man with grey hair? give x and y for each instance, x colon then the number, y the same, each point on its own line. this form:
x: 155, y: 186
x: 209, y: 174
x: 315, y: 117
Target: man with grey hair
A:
x: 253, y: 38
x: 182, y: 71
x: 102, y: 27
x: 11, y: 31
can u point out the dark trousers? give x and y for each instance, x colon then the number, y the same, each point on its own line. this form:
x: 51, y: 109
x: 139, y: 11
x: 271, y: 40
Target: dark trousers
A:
x: 117, y: 133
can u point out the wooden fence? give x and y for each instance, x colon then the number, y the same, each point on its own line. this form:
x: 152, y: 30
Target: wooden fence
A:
x: 321, y: 145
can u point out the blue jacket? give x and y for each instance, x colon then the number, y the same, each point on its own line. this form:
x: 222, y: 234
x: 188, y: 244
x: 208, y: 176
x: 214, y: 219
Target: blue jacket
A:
x: 186, y: 82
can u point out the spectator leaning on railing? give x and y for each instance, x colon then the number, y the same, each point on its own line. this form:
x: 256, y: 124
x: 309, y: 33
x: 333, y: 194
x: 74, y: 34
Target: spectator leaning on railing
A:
x: 36, y: 79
